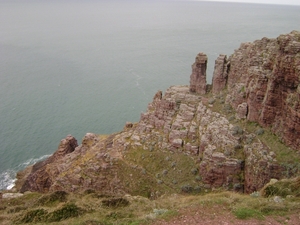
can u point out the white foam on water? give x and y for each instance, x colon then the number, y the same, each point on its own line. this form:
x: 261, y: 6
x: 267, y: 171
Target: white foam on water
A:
x: 8, y: 177
x: 32, y: 161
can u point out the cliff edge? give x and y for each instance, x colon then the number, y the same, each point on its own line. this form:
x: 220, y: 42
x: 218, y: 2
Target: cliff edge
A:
x: 236, y: 135
x: 264, y: 78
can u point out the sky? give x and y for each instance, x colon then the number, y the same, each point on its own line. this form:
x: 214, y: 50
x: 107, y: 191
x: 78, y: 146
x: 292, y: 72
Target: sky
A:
x: 281, y: 2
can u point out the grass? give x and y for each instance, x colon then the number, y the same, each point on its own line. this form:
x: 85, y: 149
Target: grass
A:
x: 284, y: 188
x: 159, y: 171
x: 246, y: 213
x: 52, y: 199
x: 152, y: 177
x: 286, y: 156
x: 95, y: 208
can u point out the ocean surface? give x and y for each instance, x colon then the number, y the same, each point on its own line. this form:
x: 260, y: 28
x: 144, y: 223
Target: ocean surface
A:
x: 72, y: 67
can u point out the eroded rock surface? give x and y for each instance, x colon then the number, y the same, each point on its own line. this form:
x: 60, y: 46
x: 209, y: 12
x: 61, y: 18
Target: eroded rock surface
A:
x: 198, y: 76
x: 176, y: 123
x: 181, y: 142
x: 220, y: 75
x: 43, y: 174
x: 265, y: 74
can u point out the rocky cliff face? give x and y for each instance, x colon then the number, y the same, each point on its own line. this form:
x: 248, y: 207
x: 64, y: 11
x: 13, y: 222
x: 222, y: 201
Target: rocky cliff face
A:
x: 264, y: 83
x: 220, y: 75
x: 43, y: 174
x: 190, y: 140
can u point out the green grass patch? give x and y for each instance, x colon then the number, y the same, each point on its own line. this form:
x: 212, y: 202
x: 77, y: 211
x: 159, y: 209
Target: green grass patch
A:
x: 90, y: 209
x: 158, y: 171
x: 69, y: 210
x: 33, y: 216
x: 246, y: 213
x: 283, y: 188
x: 115, y: 202
x: 286, y: 156
x: 52, y: 199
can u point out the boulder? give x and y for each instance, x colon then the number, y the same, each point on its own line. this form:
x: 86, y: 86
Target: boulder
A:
x: 242, y: 111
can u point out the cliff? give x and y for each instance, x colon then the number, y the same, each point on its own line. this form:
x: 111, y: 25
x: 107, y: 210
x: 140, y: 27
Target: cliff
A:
x: 264, y: 77
x: 192, y: 138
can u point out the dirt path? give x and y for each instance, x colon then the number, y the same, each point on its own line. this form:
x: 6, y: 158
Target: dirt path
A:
x: 219, y: 215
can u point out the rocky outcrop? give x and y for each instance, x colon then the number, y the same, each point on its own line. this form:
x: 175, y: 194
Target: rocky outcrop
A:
x: 260, y: 166
x: 265, y: 76
x: 198, y: 76
x: 219, y: 79
x: 242, y: 111
x: 176, y: 123
x: 43, y: 174
x: 187, y: 141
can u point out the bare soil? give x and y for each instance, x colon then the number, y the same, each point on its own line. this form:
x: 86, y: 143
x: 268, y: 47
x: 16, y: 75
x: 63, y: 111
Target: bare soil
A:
x: 220, y: 215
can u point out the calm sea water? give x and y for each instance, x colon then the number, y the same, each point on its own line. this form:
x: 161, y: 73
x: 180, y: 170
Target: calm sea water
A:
x: 72, y: 67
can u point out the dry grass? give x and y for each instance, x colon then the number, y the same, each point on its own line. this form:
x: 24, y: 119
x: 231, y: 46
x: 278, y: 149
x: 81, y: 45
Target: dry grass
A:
x: 94, y: 208
x: 287, y: 157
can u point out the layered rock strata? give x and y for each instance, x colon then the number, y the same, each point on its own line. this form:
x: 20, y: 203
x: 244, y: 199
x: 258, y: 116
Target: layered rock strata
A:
x: 220, y: 75
x: 198, y: 76
x: 178, y: 123
x: 263, y: 84
x: 43, y: 174
x: 183, y: 141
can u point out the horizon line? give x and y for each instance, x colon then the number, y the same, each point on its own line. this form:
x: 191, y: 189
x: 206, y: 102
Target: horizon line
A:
x: 247, y: 2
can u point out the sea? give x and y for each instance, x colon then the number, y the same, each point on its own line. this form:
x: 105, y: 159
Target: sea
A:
x: 73, y: 67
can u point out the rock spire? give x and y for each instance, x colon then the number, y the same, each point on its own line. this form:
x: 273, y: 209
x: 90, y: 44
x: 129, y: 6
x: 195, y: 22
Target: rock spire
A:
x: 198, y: 76
x: 181, y: 138
x: 220, y: 74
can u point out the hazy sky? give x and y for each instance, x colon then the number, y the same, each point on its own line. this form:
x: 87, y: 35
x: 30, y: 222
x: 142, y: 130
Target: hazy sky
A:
x: 282, y: 2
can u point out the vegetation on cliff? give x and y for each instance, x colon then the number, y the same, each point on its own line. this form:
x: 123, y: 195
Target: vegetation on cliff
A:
x: 192, y: 145
x: 279, y: 200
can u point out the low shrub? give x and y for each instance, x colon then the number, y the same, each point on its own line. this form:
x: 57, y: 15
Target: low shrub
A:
x: 187, y: 188
x: 115, y: 202
x: 16, y: 209
x: 89, y: 191
x: 211, y: 101
x: 282, y: 188
x: 194, y: 171
x: 67, y: 211
x: 198, y: 178
x: 33, y: 216
x: 260, y: 131
x: 237, y: 130
x: 53, y: 198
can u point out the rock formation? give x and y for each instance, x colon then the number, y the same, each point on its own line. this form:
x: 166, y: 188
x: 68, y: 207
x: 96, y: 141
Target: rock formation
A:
x: 264, y: 76
x: 220, y: 74
x: 198, y: 76
x: 185, y: 141
x: 43, y: 174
